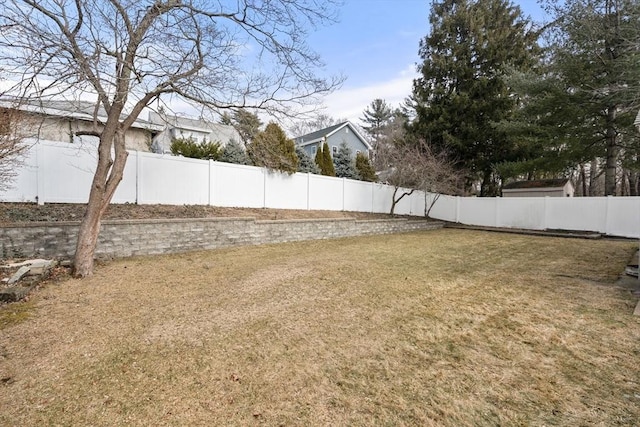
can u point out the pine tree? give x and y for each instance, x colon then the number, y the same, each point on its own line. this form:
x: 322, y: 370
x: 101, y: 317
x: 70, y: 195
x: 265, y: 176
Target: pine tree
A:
x: 246, y: 123
x: 233, y: 152
x: 375, y: 117
x: 344, y: 163
x: 319, y: 159
x: 326, y: 167
x: 273, y: 150
x: 462, y: 90
x: 595, y: 52
x: 365, y: 169
x: 305, y: 163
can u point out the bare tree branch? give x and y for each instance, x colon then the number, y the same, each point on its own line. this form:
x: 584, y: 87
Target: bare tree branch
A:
x: 128, y: 54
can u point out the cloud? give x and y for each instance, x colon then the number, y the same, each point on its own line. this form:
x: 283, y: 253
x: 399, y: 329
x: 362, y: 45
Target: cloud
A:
x: 350, y: 102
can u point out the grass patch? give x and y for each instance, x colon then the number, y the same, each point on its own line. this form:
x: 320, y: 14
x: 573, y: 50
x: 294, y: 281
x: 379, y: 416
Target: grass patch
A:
x: 14, y: 313
x: 448, y: 327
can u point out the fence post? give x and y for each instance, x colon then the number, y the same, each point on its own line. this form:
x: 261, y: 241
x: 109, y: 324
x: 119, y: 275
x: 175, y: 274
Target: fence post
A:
x: 607, y: 215
x: 211, y: 171
x: 264, y: 187
x: 497, y: 213
x: 308, y: 190
x: 373, y: 195
x: 137, y: 177
x: 545, y: 206
x: 40, y: 172
x: 458, y: 209
x: 343, y: 186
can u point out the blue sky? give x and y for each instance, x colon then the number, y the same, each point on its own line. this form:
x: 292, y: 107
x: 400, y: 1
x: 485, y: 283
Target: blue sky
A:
x: 375, y: 45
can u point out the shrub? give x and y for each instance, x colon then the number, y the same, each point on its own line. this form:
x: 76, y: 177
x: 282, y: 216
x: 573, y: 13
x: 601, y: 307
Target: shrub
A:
x: 344, y: 163
x: 272, y: 149
x: 326, y: 167
x: 365, y: 170
x: 233, y: 152
x: 305, y: 162
x: 188, y: 147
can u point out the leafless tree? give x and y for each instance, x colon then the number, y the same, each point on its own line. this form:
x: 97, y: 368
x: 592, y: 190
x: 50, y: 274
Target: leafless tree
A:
x: 12, y: 144
x: 131, y: 54
x: 409, y: 167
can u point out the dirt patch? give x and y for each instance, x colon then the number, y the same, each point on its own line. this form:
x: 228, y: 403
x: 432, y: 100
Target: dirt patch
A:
x: 31, y: 212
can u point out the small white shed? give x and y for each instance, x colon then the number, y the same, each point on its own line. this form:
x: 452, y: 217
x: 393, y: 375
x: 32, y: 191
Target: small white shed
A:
x: 539, y: 188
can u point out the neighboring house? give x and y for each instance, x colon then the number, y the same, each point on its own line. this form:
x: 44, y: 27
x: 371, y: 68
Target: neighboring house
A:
x: 182, y: 127
x: 637, y: 121
x: 334, y: 136
x: 58, y: 120
x: 539, y: 188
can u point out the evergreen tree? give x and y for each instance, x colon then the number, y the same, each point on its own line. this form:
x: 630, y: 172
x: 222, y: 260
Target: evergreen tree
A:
x: 319, y: 159
x: 595, y: 52
x: 462, y: 92
x: 188, y: 147
x: 226, y: 119
x: 375, y: 117
x: 233, y: 152
x: 326, y: 167
x: 245, y: 122
x: 305, y: 163
x: 272, y: 149
x: 365, y: 169
x: 344, y: 163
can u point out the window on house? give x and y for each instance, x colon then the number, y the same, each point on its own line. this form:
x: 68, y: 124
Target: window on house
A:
x: 334, y: 149
x: 314, y: 149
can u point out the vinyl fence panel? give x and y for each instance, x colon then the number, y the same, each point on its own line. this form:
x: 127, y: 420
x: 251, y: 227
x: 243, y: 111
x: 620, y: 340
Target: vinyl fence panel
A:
x: 283, y: 191
x: 60, y: 172
x: 237, y: 186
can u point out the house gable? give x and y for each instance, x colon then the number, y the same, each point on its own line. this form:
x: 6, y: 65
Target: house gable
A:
x: 334, y: 135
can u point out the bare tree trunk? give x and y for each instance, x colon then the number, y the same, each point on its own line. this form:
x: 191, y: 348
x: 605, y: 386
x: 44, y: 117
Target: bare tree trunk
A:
x: 633, y: 183
x: 105, y: 181
x: 395, y: 201
x: 583, y: 178
x: 612, y: 155
x: 593, y: 176
x: 427, y: 209
x: 624, y: 188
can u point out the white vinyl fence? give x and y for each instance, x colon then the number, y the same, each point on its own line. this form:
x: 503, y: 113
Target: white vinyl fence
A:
x: 54, y: 172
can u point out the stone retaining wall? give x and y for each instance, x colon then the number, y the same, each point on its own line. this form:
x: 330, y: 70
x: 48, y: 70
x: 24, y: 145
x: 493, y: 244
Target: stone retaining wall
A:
x: 123, y: 238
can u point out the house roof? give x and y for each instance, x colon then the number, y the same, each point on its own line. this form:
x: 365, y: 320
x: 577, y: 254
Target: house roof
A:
x: 319, y: 135
x: 79, y: 110
x: 215, y: 131
x: 536, y: 183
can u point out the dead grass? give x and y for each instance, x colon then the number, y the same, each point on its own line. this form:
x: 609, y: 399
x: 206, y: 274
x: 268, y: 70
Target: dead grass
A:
x: 31, y: 212
x: 451, y: 328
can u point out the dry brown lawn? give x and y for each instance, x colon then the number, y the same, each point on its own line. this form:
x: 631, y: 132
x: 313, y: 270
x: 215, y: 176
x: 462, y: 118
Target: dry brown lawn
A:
x: 442, y: 328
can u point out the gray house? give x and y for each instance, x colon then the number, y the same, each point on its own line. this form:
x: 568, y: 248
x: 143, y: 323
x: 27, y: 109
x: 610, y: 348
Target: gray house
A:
x: 334, y: 136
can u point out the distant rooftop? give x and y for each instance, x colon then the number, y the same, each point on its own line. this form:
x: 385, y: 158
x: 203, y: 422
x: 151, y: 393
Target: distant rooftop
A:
x: 81, y: 110
x: 319, y: 133
x: 537, y: 183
